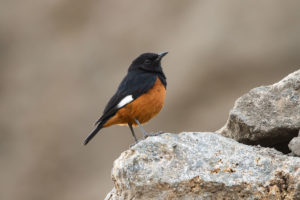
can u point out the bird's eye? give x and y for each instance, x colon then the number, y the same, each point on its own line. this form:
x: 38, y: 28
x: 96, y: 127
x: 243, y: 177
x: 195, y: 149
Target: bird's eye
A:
x: 147, y: 61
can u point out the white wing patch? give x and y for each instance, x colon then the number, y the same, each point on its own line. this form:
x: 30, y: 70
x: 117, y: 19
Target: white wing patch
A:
x: 124, y: 101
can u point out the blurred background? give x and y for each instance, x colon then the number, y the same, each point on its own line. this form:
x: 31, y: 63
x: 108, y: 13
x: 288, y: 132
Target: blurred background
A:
x: 61, y: 61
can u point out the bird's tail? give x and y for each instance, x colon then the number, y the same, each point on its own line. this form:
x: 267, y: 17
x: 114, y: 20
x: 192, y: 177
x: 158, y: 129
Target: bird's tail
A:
x: 100, y: 124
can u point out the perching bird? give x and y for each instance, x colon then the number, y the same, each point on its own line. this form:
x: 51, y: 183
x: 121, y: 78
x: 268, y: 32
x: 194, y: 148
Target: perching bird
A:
x: 140, y: 95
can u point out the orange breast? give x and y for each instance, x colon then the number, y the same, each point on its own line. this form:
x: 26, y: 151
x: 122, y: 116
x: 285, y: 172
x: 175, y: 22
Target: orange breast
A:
x: 143, y: 108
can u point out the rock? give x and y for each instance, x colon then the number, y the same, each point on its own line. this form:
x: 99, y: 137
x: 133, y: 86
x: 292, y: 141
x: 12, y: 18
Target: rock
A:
x: 267, y: 115
x: 203, y: 166
x: 294, y: 145
x: 210, y: 166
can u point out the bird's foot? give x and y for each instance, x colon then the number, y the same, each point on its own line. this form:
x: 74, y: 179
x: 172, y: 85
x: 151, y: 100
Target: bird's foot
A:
x: 153, y: 134
x: 137, y: 141
x: 147, y: 135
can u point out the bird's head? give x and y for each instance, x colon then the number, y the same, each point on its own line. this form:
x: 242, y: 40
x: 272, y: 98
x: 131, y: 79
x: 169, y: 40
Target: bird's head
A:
x: 149, y: 62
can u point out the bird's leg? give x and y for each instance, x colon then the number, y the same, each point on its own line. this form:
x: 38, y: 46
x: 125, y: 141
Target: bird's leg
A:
x: 142, y: 129
x: 131, y: 129
x: 145, y: 133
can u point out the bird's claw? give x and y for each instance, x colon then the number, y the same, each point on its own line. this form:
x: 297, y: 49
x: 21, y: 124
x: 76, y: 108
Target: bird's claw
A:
x: 153, y: 134
x: 137, y: 141
x: 147, y: 135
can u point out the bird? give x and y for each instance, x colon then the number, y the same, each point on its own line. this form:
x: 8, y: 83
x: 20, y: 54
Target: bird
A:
x: 140, y: 96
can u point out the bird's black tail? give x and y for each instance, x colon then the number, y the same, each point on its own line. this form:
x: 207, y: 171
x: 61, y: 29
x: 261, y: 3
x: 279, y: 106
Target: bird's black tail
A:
x: 97, y: 129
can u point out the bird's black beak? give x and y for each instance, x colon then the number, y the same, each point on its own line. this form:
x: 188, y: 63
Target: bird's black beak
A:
x: 161, y: 55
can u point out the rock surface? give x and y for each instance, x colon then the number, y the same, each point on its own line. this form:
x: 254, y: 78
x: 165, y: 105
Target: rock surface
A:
x: 267, y: 115
x: 203, y: 166
x: 294, y: 145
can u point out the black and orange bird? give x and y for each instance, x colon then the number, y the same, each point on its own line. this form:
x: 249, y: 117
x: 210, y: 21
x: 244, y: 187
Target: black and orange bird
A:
x: 139, y: 97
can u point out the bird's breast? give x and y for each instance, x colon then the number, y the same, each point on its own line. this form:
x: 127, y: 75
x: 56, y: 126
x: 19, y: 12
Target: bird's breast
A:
x: 142, y: 108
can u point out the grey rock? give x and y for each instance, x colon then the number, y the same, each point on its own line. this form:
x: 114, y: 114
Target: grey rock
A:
x: 203, y: 166
x: 294, y: 145
x: 267, y: 115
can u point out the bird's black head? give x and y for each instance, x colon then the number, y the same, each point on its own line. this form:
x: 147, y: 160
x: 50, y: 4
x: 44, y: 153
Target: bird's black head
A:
x: 149, y: 62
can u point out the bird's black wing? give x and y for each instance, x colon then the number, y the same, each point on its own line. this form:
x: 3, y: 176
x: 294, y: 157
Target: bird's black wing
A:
x: 135, y: 84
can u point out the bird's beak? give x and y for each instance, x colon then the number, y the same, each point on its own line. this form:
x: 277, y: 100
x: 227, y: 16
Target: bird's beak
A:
x: 161, y: 55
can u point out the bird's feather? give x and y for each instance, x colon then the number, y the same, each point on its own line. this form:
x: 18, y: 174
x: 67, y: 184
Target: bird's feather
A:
x: 135, y: 84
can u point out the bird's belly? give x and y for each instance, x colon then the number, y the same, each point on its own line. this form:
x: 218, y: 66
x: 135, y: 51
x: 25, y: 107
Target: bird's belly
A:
x: 143, y: 108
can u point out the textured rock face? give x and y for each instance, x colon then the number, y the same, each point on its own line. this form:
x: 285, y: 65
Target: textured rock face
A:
x: 294, y: 145
x: 267, y: 115
x: 203, y: 166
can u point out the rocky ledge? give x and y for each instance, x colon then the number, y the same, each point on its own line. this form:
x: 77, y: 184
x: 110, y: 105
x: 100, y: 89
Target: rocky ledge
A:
x: 267, y: 115
x: 207, y: 165
x: 203, y: 166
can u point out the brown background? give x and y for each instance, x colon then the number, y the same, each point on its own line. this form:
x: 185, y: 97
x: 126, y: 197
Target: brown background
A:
x: 61, y: 60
